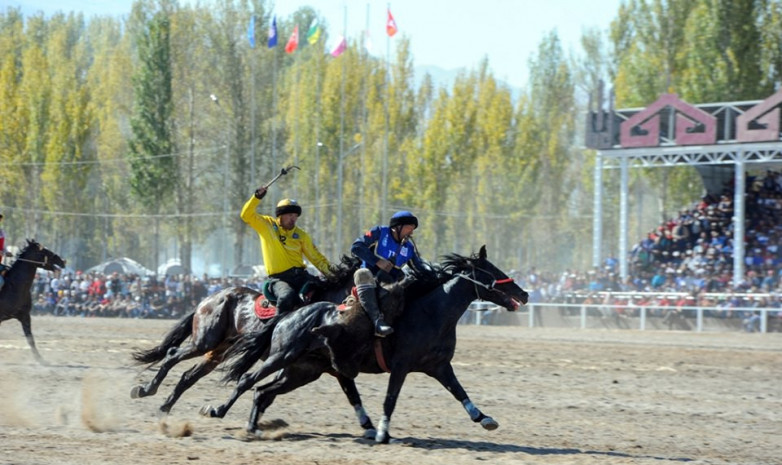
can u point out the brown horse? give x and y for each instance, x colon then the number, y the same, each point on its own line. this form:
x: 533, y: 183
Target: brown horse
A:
x: 15, y: 297
x: 215, y: 325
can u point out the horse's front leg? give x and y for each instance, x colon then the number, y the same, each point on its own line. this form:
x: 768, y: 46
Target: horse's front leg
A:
x: 247, y: 381
x: 350, y: 390
x: 27, y: 328
x: 447, y: 378
x: 395, y: 382
x: 189, y: 378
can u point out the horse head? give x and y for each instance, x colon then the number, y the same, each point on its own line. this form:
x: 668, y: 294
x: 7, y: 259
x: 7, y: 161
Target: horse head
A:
x: 493, y: 284
x: 41, y: 256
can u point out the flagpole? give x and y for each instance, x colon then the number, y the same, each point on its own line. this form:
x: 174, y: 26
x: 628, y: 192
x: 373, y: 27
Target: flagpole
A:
x: 340, y: 167
x: 361, y: 205
x: 274, y: 118
x: 384, y: 200
x: 252, y: 122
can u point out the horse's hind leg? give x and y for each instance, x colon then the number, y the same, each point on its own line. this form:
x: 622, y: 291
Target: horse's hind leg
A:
x: 174, y: 356
x: 273, y: 363
x: 349, y: 388
x: 447, y: 378
x: 27, y: 328
x: 286, y: 381
x: 189, y: 378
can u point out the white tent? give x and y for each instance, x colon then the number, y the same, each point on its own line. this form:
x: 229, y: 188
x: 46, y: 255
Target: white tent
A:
x: 121, y: 265
x: 172, y: 267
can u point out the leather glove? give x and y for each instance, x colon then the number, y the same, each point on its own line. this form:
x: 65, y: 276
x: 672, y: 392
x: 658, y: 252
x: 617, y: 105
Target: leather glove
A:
x: 260, y: 192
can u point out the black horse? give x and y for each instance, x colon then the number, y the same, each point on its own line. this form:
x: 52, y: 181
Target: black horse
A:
x: 215, y: 325
x: 424, y: 341
x: 15, y: 297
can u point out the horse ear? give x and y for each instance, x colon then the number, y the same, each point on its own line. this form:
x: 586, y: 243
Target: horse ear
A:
x: 482, y: 253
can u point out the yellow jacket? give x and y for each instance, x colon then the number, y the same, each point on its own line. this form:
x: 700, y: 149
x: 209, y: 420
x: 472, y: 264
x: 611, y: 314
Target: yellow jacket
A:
x: 282, y: 249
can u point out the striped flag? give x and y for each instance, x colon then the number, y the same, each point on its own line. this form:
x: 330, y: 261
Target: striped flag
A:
x: 313, y: 35
x: 391, y: 28
x: 251, y: 31
x: 293, y: 42
x: 273, y: 33
x: 340, y: 47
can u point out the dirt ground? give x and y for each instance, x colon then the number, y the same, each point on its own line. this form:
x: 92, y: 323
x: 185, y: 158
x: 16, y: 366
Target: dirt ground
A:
x: 560, y: 396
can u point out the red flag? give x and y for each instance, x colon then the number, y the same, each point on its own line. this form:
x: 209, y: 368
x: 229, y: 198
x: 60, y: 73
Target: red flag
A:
x: 293, y: 42
x: 390, y: 25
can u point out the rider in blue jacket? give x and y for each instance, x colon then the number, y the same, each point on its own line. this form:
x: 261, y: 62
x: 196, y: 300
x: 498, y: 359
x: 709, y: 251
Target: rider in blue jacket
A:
x: 383, y: 251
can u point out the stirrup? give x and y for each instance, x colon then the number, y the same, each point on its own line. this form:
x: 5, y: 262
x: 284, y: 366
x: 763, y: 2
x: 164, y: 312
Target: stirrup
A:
x: 382, y: 329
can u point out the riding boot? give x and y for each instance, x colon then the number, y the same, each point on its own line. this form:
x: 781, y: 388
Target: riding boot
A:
x: 368, y: 300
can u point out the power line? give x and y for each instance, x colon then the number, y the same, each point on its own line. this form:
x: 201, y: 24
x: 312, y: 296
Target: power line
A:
x: 206, y: 151
x: 113, y: 215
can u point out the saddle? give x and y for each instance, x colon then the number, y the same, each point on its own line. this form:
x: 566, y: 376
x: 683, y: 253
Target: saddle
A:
x: 266, y: 303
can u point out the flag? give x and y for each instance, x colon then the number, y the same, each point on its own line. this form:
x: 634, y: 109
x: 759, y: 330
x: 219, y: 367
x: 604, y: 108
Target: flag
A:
x: 293, y: 42
x: 314, y: 33
x: 273, y: 33
x: 390, y: 24
x: 251, y: 31
x: 368, y: 42
x: 340, y: 47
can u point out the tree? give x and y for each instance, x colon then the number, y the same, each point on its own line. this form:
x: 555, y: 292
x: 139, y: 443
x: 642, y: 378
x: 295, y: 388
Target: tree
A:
x: 151, y: 148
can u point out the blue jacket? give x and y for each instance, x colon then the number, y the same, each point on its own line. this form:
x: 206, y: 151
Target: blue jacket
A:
x: 379, y: 243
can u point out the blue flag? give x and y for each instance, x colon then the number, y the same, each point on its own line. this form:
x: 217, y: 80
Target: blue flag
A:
x: 273, y: 33
x: 251, y: 31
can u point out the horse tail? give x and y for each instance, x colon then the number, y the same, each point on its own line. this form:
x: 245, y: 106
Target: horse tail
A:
x: 176, y: 336
x: 243, y: 354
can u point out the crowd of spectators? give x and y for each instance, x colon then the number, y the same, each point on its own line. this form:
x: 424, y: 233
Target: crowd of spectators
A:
x: 688, y: 261
x: 123, y: 295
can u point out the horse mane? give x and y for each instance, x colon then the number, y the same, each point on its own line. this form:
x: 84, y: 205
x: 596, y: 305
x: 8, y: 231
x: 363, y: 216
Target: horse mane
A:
x: 343, y: 272
x: 421, y: 281
x: 30, y: 244
x: 454, y: 263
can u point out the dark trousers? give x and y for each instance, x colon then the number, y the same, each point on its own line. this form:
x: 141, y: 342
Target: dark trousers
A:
x: 286, y: 287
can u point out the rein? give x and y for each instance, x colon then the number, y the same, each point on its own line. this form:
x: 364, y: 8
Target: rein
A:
x: 43, y: 263
x: 489, y: 287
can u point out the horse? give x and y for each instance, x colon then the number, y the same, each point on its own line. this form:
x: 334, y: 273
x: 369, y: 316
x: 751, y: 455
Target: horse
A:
x: 15, y: 297
x: 214, y: 325
x: 308, y: 344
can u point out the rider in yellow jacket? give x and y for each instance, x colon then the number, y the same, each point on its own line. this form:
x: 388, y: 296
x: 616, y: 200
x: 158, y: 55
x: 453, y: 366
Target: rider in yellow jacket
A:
x: 284, y: 246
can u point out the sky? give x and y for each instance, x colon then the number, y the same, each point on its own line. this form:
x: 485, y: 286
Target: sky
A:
x: 448, y: 34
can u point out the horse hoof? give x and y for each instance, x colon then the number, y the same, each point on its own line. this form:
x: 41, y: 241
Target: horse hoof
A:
x: 208, y: 411
x: 370, y: 433
x: 382, y: 438
x: 137, y: 392
x: 488, y: 423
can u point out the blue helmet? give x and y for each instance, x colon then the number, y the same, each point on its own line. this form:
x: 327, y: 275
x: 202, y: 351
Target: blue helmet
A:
x: 403, y: 217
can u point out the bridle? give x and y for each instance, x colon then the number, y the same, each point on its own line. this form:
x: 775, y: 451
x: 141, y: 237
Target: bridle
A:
x: 492, y: 287
x: 35, y: 262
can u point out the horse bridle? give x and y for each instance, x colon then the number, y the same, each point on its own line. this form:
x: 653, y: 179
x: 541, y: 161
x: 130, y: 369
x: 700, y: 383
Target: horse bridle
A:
x: 43, y: 263
x: 492, y: 287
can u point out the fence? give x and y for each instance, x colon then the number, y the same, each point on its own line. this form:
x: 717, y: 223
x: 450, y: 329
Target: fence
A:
x: 642, y: 318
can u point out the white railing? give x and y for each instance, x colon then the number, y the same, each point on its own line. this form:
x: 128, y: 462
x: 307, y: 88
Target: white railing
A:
x: 584, y: 316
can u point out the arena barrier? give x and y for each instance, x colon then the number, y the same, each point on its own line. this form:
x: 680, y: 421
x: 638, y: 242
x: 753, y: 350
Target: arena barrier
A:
x: 603, y: 316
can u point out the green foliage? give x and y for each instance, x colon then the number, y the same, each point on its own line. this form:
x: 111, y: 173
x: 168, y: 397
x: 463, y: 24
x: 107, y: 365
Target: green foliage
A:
x: 111, y: 143
x: 151, y: 147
